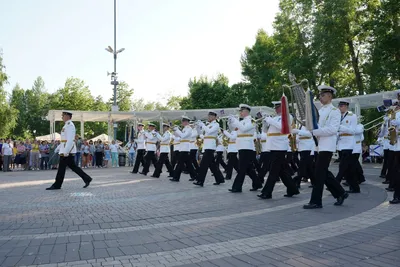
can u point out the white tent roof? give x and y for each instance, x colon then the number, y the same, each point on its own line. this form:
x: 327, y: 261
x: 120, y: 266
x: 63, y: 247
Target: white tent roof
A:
x: 103, y: 138
x: 49, y: 137
x: 167, y: 115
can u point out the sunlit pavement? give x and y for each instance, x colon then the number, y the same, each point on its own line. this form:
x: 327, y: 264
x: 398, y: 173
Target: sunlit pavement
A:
x: 125, y: 219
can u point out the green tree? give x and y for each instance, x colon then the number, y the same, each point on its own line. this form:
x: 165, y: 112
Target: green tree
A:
x: 37, y: 106
x: 261, y: 70
x: 8, y: 114
x: 18, y: 101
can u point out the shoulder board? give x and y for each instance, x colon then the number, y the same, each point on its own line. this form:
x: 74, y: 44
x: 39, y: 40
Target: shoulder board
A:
x: 69, y: 123
x: 334, y: 109
x: 350, y: 114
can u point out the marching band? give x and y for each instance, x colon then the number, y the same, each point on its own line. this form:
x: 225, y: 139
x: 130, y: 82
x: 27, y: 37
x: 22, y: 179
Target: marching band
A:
x: 308, y: 150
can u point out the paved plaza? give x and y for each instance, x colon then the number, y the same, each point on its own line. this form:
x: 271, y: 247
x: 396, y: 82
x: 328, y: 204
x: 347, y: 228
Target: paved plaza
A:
x: 124, y: 219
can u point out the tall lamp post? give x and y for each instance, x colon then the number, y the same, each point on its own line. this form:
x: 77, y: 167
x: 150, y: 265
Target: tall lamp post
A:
x: 114, y: 73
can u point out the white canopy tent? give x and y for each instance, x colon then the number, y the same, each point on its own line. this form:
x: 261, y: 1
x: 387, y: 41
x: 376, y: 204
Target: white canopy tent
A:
x: 133, y: 117
x: 49, y: 137
x: 103, y: 138
x: 357, y: 103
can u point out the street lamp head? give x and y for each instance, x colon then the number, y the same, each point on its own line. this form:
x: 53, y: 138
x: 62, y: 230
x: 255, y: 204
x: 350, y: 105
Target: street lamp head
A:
x: 120, y: 50
x: 109, y: 49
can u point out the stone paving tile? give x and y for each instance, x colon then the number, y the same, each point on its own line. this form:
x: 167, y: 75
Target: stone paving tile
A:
x: 138, y: 221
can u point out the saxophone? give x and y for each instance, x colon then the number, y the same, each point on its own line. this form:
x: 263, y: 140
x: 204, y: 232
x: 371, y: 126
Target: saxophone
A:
x: 392, y: 129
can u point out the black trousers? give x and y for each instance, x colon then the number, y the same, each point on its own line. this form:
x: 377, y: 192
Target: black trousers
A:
x: 161, y: 161
x: 392, y: 168
x: 174, y: 158
x: 149, y: 158
x: 219, y: 160
x: 246, y: 166
x: 208, y: 161
x: 358, y: 168
x: 385, y: 162
x: 233, y: 163
x: 396, y: 176
x: 70, y: 162
x: 306, y: 167
x: 265, y: 162
x: 99, y: 159
x: 324, y: 176
x: 279, y: 168
x: 184, y: 160
x: 291, y: 163
x: 193, y: 154
x: 139, y: 159
x: 345, y: 165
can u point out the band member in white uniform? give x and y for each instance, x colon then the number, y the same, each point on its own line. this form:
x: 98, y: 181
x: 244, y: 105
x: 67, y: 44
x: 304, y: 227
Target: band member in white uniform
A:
x: 328, y: 127
x: 209, y: 146
x: 165, y: 140
x: 265, y: 157
x: 219, y: 159
x: 141, y: 148
x: 176, y: 141
x: 184, y: 151
x: 357, y: 150
x: 384, y: 141
x: 345, y: 145
x: 67, y: 150
x: 193, y: 146
x: 233, y: 162
x: 151, y: 145
x: 396, y: 166
x: 305, y: 145
x: 246, y: 148
x: 277, y: 144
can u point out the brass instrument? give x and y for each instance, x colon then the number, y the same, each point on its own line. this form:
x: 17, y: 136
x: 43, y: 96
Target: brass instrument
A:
x: 392, y: 129
x: 225, y: 141
x: 292, y: 138
x: 199, y: 142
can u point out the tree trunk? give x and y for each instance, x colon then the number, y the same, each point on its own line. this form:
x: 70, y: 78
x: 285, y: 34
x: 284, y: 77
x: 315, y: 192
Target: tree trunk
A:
x: 354, y: 62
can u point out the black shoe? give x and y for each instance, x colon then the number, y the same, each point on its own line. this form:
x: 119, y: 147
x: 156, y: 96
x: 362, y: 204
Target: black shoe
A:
x: 386, y: 182
x: 255, y: 189
x: 216, y: 183
x: 341, y: 199
x: 133, y: 172
x: 53, y: 188
x: 227, y: 178
x: 395, y: 201
x: 351, y: 191
x: 170, y: 176
x: 88, y: 183
x: 235, y: 191
x: 389, y: 189
x: 345, y: 184
x: 310, y: 186
x: 265, y: 196
x: 144, y: 173
x: 311, y: 206
x: 198, y: 183
x: 192, y: 179
x: 155, y: 176
x: 382, y: 176
x: 174, y: 180
x: 292, y: 194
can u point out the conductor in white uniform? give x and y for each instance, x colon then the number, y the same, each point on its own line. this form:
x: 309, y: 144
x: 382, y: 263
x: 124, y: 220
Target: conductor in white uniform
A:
x: 67, y: 150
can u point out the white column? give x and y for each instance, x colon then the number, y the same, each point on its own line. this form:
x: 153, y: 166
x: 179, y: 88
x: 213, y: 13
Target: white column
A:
x: 82, y: 129
x: 161, y: 126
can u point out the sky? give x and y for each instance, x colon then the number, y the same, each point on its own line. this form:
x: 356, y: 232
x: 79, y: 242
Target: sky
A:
x: 166, y: 42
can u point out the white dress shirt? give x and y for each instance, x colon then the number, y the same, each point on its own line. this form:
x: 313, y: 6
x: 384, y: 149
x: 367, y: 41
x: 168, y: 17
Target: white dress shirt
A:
x: 184, y: 136
x: 140, y: 140
x: 304, y: 139
x: 359, y: 137
x: 232, y: 141
x: 346, y: 133
x: 67, y: 145
x: 210, y: 134
x: 151, y: 140
x: 245, y: 133
x: 165, y: 140
x: 276, y: 140
x: 193, y: 139
x: 328, y: 126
